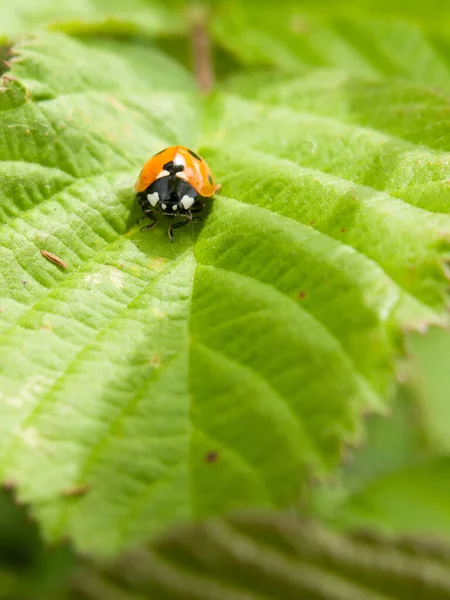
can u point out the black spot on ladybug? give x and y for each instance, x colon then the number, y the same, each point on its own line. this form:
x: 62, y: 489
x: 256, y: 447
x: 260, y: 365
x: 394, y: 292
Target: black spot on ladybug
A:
x: 210, y: 179
x: 192, y: 153
x: 160, y: 152
x: 212, y: 456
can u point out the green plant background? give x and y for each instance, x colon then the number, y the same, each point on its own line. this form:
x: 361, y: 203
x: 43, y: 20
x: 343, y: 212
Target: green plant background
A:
x: 148, y: 370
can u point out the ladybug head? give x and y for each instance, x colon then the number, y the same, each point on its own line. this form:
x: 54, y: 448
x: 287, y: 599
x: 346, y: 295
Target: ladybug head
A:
x: 169, y: 208
x: 170, y: 196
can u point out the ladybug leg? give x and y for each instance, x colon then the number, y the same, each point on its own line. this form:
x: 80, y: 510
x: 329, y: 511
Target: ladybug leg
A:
x: 149, y: 215
x: 198, y: 206
x: 188, y: 218
x: 148, y: 227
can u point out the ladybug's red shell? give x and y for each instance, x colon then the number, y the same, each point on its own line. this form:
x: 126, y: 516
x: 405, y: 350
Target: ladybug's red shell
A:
x: 196, y: 171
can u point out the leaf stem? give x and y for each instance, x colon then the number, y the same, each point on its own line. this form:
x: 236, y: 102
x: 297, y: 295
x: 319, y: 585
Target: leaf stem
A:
x: 201, y: 48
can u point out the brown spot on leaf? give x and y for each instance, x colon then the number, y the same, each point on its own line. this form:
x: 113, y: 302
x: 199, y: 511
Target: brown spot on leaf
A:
x: 76, y: 490
x: 156, y: 361
x: 9, y: 78
x: 212, y: 456
x: 54, y: 259
x: 343, y: 230
x: 5, y: 54
x: 301, y: 295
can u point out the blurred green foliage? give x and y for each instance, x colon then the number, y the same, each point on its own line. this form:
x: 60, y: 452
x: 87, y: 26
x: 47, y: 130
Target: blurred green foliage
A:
x: 28, y: 569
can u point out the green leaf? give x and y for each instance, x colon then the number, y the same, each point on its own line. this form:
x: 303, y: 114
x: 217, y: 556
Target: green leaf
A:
x: 394, y: 38
x: 430, y: 356
x: 412, y: 499
x: 399, y: 480
x: 258, y: 556
x: 149, y: 17
x: 391, y: 445
x: 179, y: 381
x: 76, y: 129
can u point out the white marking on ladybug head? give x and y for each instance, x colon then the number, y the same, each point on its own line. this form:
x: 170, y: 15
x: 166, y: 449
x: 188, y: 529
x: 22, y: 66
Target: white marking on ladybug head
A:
x: 164, y: 206
x: 153, y: 198
x: 162, y: 173
x: 186, y: 201
x: 181, y: 175
x: 174, y: 206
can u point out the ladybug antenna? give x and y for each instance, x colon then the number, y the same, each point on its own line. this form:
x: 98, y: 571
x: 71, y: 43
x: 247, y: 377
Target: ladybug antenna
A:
x: 172, y: 168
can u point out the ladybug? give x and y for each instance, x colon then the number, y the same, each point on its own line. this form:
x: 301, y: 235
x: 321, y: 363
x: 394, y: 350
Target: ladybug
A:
x: 172, y: 184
